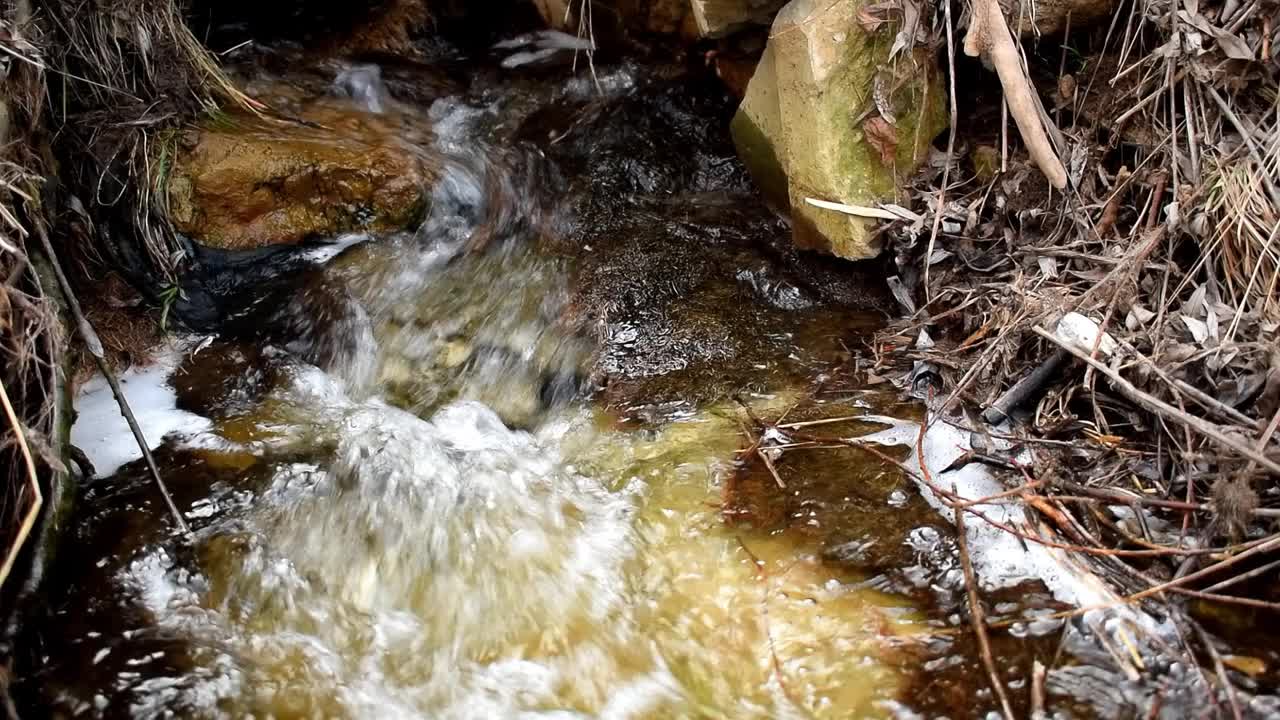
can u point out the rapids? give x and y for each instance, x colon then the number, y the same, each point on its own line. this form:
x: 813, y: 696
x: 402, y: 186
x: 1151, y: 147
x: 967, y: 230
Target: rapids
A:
x: 503, y: 466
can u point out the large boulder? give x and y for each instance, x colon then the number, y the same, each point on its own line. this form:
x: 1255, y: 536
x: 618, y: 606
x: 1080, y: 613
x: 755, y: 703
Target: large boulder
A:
x: 829, y: 116
x: 244, y: 182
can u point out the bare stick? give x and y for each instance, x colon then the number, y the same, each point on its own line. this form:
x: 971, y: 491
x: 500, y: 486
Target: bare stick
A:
x: 28, y: 520
x: 773, y: 470
x: 988, y: 32
x: 1227, y: 688
x: 951, y: 151
x: 976, y: 615
x: 1261, y: 570
x: 94, y: 345
x: 1164, y: 409
x: 760, y: 574
x: 1037, y: 690
x: 978, y: 619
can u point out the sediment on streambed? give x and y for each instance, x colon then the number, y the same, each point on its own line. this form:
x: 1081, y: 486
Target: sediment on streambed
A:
x: 671, y: 213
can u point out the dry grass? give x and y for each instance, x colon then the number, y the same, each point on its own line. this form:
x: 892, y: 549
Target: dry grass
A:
x: 1169, y: 238
x: 29, y: 339
x: 128, y: 72
x: 121, y: 74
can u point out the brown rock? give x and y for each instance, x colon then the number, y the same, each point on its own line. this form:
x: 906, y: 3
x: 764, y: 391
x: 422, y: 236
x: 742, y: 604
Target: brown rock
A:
x: 557, y: 14
x: 244, y: 182
x: 388, y: 28
x: 628, y: 17
x: 1049, y: 17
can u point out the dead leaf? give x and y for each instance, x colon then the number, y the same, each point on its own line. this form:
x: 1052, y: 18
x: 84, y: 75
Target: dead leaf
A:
x: 1199, y: 330
x: 883, y: 137
x: 1232, y: 46
x: 871, y: 17
x: 1246, y: 664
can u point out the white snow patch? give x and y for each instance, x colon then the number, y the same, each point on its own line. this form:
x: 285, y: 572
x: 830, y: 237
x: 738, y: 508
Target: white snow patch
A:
x: 1000, y: 559
x: 102, y: 432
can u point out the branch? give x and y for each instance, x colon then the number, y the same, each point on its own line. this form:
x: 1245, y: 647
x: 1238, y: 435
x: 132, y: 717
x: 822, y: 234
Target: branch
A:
x: 99, y: 356
x: 1164, y: 409
x: 989, y: 33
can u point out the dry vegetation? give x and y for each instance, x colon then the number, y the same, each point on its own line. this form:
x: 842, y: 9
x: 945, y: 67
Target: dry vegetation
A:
x: 29, y: 340
x: 129, y: 71
x: 1166, y: 236
x: 88, y: 88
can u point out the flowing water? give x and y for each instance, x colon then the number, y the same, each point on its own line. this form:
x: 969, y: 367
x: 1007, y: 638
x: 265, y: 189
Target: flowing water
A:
x: 502, y: 466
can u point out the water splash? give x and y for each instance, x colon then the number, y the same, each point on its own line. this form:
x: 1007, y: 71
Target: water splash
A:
x: 363, y: 84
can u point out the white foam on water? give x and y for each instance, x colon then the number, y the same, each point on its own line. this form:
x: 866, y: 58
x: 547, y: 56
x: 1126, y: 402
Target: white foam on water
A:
x: 427, y: 544
x: 363, y: 83
x: 555, y: 39
x: 102, y: 432
x: 324, y: 253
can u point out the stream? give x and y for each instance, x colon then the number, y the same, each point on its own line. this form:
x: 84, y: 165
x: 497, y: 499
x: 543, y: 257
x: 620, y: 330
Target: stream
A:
x: 512, y: 464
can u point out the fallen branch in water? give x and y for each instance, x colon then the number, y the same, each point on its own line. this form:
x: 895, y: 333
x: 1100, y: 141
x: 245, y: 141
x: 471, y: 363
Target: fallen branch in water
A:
x: 94, y: 345
x: 763, y: 578
x: 976, y: 616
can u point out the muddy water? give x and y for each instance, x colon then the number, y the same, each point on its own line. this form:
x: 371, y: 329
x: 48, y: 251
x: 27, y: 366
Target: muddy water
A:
x: 503, y: 465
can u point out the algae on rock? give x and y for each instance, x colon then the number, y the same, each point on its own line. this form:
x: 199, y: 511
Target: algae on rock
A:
x: 829, y: 115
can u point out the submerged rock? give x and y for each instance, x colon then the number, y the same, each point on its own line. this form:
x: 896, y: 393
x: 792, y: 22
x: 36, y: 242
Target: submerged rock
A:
x: 828, y: 115
x: 243, y: 182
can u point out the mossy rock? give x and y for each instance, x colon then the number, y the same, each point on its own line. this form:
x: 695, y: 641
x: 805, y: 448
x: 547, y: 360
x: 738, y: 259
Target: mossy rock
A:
x: 811, y: 117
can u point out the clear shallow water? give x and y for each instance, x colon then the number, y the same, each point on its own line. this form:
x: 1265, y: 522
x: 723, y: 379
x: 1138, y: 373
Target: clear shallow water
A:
x: 500, y: 466
x: 408, y: 506
x: 451, y: 567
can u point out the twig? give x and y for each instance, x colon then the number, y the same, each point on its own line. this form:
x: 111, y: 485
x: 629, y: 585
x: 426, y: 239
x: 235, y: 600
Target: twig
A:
x: 978, y: 619
x: 1261, y: 548
x: 1243, y: 576
x: 1124, y: 498
x: 976, y: 616
x: 768, y: 463
x: 759, y: 566
x: 1037, y: 690
x: 1163, y: 408
x: 823, y: 421
x: 952, y: 500
x: 29, y: 519
x: 1227, y: 688
x: 951, y: 150
x: 94, y: 346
